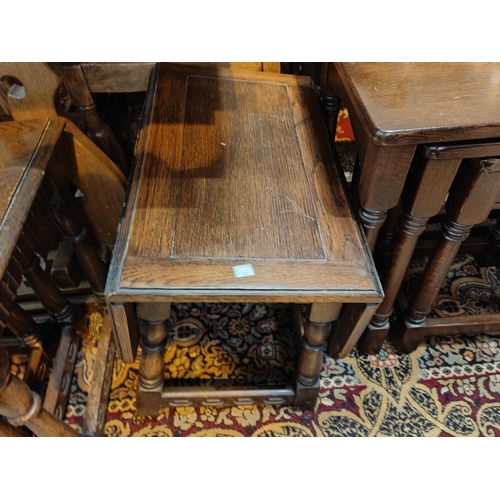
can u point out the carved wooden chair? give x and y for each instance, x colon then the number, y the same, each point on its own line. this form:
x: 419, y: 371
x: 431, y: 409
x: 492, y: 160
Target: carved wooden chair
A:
x: 75, y: 163
x: 235, y: 197
x: 26, y: 149
x: 31, y: 96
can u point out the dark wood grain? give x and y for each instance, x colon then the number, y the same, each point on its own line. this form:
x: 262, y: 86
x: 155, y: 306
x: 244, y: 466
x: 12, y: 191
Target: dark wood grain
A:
x: 411, y: 103
x: 133, y: 77
x: 427, y: 187
x: 394, y: 107
x: 81, y: 161
x: 16, y: 197
x: 248, y: 174
x: 472, y: 195
x: 186, y: 228
x: 234, y: 168
x: 460, y: 150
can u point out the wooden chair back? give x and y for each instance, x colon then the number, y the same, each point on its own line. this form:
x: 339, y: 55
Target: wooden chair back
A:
x: 31, y: 91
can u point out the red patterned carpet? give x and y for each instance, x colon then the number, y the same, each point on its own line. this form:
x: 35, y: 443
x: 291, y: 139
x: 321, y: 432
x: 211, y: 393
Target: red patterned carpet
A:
x: 448, y: 387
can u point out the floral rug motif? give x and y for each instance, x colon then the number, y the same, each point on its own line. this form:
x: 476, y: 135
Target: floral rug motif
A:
x: 449, y: 386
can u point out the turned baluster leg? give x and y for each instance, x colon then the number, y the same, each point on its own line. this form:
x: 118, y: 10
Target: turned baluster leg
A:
x: 381, y: 180
x: 74, y: 232
x: 317, y: 329
x: 153, y: 337
x: 24, y: 408
x: 97, y: 130
x: 50, y: 295
x: 472, y: 196
x: 427, y: 186
x: 387, y: 235
x: 330, y: 101
x: 74, y: 322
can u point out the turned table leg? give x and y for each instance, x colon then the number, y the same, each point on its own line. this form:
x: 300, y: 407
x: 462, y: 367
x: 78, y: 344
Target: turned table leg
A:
x: 472, y: 196
x: 387, y: 235
x: 427, y: 186
x: 153, y: 337
x: 48, y: 292
x: 24, y: 408
x: 381, y: 180
x: 316, y: 332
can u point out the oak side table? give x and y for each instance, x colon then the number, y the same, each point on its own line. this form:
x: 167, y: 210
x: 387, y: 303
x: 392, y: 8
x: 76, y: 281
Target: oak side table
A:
x: 235, y: 197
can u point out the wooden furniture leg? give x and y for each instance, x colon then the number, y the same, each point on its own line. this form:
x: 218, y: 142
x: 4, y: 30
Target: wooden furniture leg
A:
x: 427, y: 186
x: 472, y: 196
x: 48, y: 292
x: 387, y: 234
x: 74, y: 323
x: 153, y: 337
x: 349, y: 327
x: 24, y: 408
x: 98, y: 131
x: 383, y: 168
x: 317, y: 329
x: 331, y: 102
x: 381, y: 180
x: 27, y: 332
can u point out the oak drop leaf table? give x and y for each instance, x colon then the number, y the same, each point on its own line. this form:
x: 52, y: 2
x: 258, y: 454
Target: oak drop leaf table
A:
x: 235, y: 197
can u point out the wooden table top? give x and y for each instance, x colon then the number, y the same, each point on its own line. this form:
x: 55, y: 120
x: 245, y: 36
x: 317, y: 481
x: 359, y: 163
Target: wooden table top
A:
x: 418, y: 103
x: 25, y: 150
x: 235, y: 196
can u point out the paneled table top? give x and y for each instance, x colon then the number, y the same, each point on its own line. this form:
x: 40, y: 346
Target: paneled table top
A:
x: 235, y: 196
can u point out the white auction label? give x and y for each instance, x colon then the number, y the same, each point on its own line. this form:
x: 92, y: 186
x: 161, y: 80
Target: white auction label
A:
x: 243, y: 270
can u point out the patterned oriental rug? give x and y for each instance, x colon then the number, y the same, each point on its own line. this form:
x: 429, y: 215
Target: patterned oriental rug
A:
x: 450, y: 386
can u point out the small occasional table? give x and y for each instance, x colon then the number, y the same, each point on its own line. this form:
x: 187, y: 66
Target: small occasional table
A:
x: 396, y: 108
x: 235, y: 197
